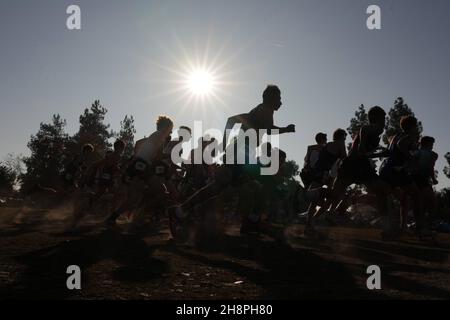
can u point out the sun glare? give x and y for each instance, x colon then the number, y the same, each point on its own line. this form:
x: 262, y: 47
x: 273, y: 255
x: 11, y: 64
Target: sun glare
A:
x: 200, y: 82
x: 198, y: 78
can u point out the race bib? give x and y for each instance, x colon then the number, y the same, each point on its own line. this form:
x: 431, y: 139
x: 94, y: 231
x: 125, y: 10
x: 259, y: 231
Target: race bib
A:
x: 159, y: 169
x: 140, y: 166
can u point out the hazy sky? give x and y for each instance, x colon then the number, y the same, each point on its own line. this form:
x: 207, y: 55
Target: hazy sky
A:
x: 129, y: 54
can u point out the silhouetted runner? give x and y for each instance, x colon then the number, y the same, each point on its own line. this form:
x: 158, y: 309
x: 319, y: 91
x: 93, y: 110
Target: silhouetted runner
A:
x: 398, y: 167
x: 146, y: 172
x: 329, y: 154
x: 239, y: 175
x: 359, y: 169
x: 101, y: 177
x: 312, y: 154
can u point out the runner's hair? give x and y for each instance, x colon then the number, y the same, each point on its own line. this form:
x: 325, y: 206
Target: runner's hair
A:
x: 163, y: 122
x: 407, y: 123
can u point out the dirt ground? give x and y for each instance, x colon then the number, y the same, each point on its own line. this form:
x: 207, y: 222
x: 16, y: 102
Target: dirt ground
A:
x: 35, y: 253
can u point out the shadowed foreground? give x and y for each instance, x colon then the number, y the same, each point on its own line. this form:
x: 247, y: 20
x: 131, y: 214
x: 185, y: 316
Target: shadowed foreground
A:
x: 35, y: 254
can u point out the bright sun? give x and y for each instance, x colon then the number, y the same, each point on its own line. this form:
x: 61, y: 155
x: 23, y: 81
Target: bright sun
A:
x: 198, y: 78
x: 200, y: 82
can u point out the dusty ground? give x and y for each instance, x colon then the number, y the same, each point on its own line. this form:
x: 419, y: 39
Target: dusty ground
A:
x: 35, y: 254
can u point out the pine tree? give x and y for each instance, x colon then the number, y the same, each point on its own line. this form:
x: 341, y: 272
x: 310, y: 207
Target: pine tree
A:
x: 93, y: 130
x: 126, y: 133
x: 15, y: 164
x: 292, y: 169
x: 46, y: 162
x: 7, y: 179
x: 360, y: 119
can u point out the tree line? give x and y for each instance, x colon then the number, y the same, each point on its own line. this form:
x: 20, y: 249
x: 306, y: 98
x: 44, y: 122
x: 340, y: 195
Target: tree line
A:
x: 51, y: 148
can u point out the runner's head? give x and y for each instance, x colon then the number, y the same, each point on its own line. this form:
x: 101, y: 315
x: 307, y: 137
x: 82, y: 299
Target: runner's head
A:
x: 87, y: 148
x: 272, y: 97
x: 339, y: 135
x: 164, y: 125
x: 377, y: 116
x: 427, y: 143
x: 119, y: 146
x: 321, y: 138
x: 186, y: 133
x: 409, y: 125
